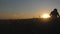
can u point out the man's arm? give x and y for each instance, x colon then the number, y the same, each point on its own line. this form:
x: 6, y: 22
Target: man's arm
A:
x: 57, y: 13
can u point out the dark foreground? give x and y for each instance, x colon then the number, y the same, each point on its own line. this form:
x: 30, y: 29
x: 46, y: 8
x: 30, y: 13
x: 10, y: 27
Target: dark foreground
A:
x: 29, y: 26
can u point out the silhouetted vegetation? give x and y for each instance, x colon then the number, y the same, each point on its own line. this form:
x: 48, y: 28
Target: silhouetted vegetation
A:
x: 29, y: 26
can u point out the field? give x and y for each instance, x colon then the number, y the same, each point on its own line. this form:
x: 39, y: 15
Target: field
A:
x: 29, y: 26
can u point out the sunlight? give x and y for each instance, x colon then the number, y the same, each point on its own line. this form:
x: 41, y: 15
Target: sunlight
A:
x: 45, y: 16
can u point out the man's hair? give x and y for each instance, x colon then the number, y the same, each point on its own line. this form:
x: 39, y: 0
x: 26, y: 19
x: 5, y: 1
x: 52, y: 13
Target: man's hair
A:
x: 55, y: 9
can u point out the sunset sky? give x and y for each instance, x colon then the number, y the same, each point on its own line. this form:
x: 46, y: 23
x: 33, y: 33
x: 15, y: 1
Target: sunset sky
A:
x: 20, y: 9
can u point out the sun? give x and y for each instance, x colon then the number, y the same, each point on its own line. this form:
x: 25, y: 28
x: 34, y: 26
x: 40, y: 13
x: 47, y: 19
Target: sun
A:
x: 45, y: 16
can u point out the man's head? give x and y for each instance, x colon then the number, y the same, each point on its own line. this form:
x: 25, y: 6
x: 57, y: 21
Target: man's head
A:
x: 55, y: 9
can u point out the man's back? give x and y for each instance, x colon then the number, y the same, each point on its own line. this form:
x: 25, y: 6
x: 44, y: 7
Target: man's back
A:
x: 54, y: 13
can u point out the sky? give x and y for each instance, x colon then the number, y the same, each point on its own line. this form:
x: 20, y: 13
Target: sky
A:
x: 21, y: 9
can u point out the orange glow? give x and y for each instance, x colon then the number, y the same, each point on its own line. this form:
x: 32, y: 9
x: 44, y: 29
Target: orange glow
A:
x: 45, y: 16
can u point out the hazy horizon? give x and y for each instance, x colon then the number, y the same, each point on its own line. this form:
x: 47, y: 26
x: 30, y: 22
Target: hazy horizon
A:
x: 22, y: 9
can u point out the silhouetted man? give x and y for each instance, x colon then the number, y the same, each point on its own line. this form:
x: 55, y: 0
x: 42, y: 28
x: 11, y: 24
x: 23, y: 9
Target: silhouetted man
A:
x: 54, y: 13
